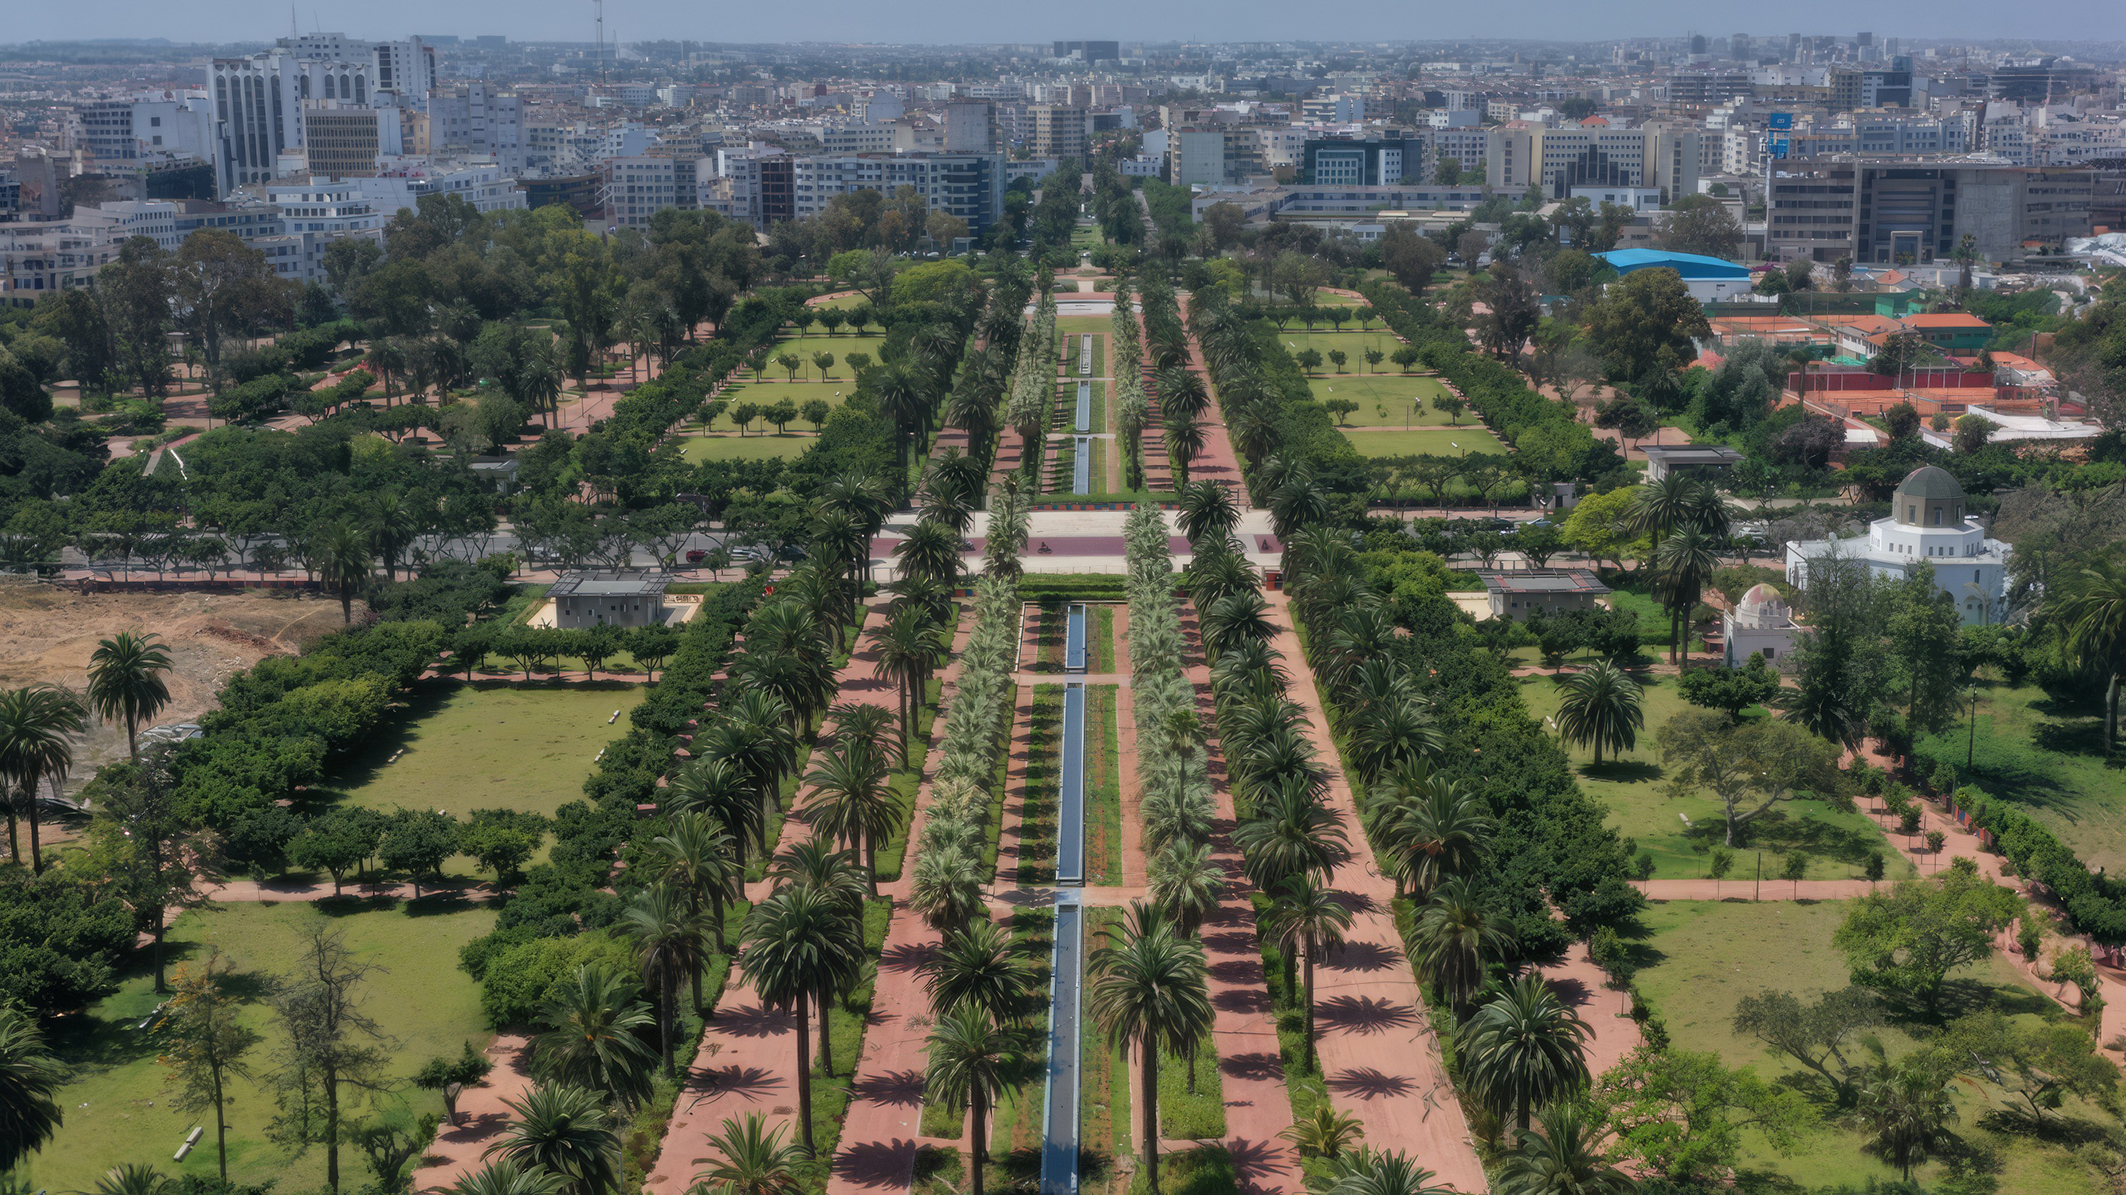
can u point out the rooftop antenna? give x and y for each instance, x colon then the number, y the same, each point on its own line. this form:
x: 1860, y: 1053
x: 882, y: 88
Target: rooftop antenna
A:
x: 294, y: 30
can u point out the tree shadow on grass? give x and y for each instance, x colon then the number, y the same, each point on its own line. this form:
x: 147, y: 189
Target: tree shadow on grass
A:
x: 1628, y: 771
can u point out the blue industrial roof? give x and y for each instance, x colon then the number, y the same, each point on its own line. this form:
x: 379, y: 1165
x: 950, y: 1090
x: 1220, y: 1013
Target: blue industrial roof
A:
x: 1689, y: 265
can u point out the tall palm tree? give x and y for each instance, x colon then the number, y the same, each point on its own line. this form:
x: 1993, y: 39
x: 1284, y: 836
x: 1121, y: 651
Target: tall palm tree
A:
x: 852, y: 801
x: 969, y: 1052
x: 1432, y: 827
x: 506, y: 1177
x: 1207, y: 511
x: 1237, y: 617
x: 715, y: 787
x: 909, y: 646
x: 932, y: 549
x: 978, y: 965
x: 1602, y: 706
x: 387, y: 360
x: 126, y: 682
x: 1292, y: 834
x: 1524, y: 1050
x: 566, y: 1130
x: 669, y: 939
x: 1150, y: 991
x: 698, y: 859
x: 592, y: 1037
x: 1371, y: 1172
x: 2093, y: 610
x: 792, y: 939
x: 755, y: 1161
x: 1659, y: 507
x: 1185, y: 438
x: 1401, y: 733
x: 343, y: 563
x: 37, y: 725
x: 1454, y: 940
x: 1564, y: 1159
x: 1306, y: 920
x: 30, y: 1078
x: 1184, y: 884
x: 1683, y: 566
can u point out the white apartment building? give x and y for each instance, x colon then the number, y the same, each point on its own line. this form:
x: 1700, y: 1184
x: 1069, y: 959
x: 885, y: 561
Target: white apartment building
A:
x: 406, y: 68
x: 314, y: 214
x: 131, y: 131
x: 479, y: 119
x: 970, y: 186
x: 1659, y: 156
x: 487, y: 188
x: 633, y: 188
x: 866, y: 139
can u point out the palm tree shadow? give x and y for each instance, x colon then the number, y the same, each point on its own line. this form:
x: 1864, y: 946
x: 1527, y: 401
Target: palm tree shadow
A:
x: 1628, y: 771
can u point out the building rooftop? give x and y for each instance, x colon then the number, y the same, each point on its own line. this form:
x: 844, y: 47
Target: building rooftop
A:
x: 1568, y: 580
x: 1691, y: 454
x: 1689, y: 265
x: 609, y: 583
x: 1931, y: 483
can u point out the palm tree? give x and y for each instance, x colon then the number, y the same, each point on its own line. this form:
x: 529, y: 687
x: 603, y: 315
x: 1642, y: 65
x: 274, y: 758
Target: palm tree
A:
x: 1602, y: 707
x: 387, y: 360
x: 946, y: 889
x: 1907, y: 1109
x: 1454, y: 940
x: 1381, y: 1173
x: 715, y: 787
x: 126, y: 682
x: 131, y: 1178
x: 968, y: 1056
x: 1237, y: 617
x: 1292, y: 834
x: 697, y: 856
x: 1207, y: 511
x: 977, y: 966
x: 1564, y: 1159
x: 1184, y: 884
x: 1150, y: 991
x: 1524, y: 1050
x: 1432, y: 827
x: 909, y: 646
x: 852, y: 801
x: 1662, y: 506
x: 1185, y: 439
x: 1325, y: 1134
x: 566, y: 1130
x: 793, y: 938
x: 343, y: 563
x: 668, y: 936
x: 592, y: 1037
x: 755, y: 1161
x: 2093, y: 609
x: 30, y: 1078
x: 932, y: 549
x: 1307, y: 919
x: 816, y: 864
x: 508, y: 1178
x: 1401, y: 733
x: 1682, y: 567
x: 37, y: 725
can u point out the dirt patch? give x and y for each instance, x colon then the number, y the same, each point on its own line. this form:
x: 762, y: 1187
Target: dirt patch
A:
x: 48, y: 632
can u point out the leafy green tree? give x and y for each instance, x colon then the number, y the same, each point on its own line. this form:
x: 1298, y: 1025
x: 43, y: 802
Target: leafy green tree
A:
x: 1645, y: 322
x: 449, y: 1077
x: 207, y: 1048
x: 1906, y: 941
x: 1749, y: 768
x: 418, y: 842
x: 1730, y: 689
x: 1813, y: 1035
x: 1680, y: 1114
x: 333, y: 1049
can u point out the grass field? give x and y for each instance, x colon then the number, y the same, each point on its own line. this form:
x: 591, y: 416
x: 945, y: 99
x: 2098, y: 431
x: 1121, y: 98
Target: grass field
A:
x: 118, y: 1109
x: 755, y: 447
x: 1632, y: 788
x: 1103, y: 784
x: 1070, y: 327
x: 1439, y: 441
x: 1352, y: 342
x: 487, y: 746
x: 1037, y: 808
x: 2047, y: 756
x: 1706, y: 955
x: 842, y: 301
x: 1387, y: 399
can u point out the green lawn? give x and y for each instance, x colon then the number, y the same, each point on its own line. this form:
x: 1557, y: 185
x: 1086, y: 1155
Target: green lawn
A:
x: 1707, y: 955
x: 765, y: 394
x: 1632, y: 788
x: 758, y: 446
x: 2048, y: 756
x: 1103, y: 785
x: 487, y: 746
x: 118, y: 1109
x: 1388, y: 398
x: 843, y: 301
x: 1070, y: 327
x: 841, y: 344
x: 1441, y: 441
x: 1352, y: 342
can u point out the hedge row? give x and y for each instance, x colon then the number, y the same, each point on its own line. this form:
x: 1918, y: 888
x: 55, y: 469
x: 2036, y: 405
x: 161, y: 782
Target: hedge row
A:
x: 1495, y: 391
x: 2094, y: 903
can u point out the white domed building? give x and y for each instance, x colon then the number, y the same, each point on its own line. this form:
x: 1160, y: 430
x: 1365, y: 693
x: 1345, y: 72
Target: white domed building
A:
x: 1928, y: 524
x: 1761, y: 621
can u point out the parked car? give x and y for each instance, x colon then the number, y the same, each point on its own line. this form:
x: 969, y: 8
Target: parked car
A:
x: 696, y: 555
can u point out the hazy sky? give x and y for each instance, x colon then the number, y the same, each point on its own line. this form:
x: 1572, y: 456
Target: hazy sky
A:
x: 942, y: 21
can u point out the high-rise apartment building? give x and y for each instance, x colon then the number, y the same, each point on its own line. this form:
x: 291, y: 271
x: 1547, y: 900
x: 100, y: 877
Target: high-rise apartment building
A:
x: 970, y: 186
x: 1658, y: 155
x: 130, y: 132
x: 1058, y: 131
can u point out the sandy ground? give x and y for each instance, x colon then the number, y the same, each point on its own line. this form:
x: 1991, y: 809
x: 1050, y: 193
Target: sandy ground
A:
x: 48, y: 632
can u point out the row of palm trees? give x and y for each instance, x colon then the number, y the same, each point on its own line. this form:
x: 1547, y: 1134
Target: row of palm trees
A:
x: 1520, y: 1050
x: 127, y: 683
x: 987, y: 372
x: 1030, y: 400
x: 1182, y: 394
x: 1132, y: 407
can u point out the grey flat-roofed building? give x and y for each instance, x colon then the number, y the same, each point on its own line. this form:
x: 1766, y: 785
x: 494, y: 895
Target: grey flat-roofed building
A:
x: 1689, y: 458
x: 608, y: 598
x: 1514, y: 594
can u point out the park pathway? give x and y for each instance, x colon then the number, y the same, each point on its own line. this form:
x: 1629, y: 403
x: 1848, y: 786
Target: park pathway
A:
x: 1377, y: 1047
